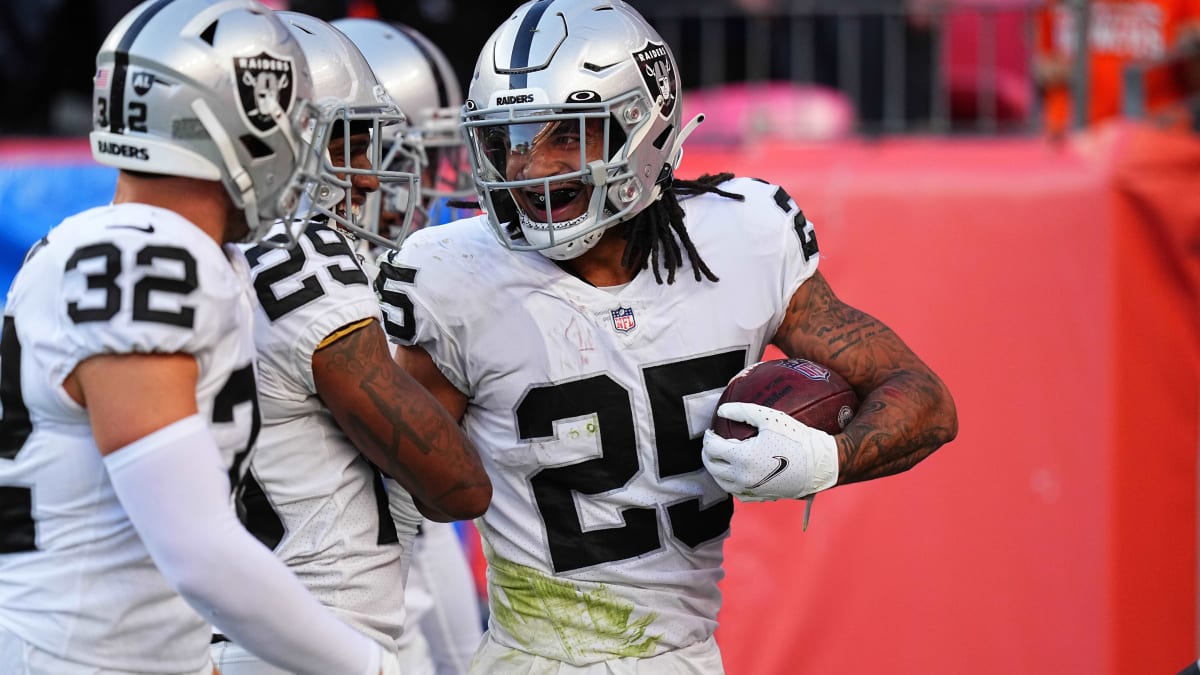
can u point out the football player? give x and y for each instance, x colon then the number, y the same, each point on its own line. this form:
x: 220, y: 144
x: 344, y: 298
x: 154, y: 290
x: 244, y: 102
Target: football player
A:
x: 555, y: 327
x: 444, y: 623
x: 335, y: 405
x: 127, y: 374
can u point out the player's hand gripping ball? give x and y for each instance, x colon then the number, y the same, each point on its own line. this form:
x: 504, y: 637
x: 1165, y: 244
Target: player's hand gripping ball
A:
x: 772, y: 436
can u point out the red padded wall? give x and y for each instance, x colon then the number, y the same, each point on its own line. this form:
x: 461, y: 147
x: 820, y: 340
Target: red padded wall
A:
x: 1054, y: 290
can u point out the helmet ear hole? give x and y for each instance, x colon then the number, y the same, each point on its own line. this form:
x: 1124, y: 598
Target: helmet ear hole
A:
x: 660, y: 141
x: 616, y: 137
x: 255, y: 146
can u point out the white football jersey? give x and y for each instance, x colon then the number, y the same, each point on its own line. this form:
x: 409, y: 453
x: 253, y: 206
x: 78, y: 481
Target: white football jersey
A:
x: 605, y: 533
x: 310, y: 496
x: 75, y: 579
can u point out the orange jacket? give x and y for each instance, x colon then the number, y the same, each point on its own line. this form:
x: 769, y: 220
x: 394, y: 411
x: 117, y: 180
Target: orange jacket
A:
x: 1121, y: 31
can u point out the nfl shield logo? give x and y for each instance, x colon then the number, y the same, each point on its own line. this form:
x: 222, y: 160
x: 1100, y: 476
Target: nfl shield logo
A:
x: 263, y: 82
x: 808, y: 369
x: 623, y: 319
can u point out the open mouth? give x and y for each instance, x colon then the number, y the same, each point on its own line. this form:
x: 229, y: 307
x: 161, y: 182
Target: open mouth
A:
x: 356, y: 210
x: 560, y: 204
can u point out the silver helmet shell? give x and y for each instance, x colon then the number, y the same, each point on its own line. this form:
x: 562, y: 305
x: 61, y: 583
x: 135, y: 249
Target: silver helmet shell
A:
x: 421, y: 80
x: 352, y: 102
x: 571, y: 61
x: 209, y: 89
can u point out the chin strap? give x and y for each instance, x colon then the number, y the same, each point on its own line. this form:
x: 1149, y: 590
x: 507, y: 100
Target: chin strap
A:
x: 675, y: 156
x: 677, y: 146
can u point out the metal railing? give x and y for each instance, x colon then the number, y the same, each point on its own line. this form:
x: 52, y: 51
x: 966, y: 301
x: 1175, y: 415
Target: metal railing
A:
x: 1133, y: 84
x: 951, y: 67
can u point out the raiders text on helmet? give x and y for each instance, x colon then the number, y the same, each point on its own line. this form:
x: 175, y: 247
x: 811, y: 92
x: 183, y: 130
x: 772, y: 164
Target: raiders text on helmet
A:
x: 207, y: 89
x: 585, y: 64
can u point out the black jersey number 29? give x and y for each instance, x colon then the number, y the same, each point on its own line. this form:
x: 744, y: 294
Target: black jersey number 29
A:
x: 325, y: 242
x: 669, y: 386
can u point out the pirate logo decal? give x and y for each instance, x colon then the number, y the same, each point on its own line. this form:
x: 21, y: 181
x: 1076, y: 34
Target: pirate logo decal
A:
x: 657, y: 69
x: 265, y: 83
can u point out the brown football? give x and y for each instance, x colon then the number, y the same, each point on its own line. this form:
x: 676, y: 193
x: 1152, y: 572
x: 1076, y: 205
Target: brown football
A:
x: 808, y: 391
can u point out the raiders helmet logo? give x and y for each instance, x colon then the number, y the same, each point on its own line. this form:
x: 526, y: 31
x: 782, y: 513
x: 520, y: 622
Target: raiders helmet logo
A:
x: 655, y: 65
x: 264, y: 82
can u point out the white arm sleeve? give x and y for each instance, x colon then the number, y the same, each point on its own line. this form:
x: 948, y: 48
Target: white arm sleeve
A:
x: 174, y: 488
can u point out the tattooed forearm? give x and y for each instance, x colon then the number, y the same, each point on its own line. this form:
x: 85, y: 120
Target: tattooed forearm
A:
x: 897, y: 426
x: 906, y: 411
x: 396, y: 423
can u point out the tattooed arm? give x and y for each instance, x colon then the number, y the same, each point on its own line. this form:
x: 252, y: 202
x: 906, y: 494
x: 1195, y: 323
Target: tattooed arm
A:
x: 399, y: 426
x: 906, y: 411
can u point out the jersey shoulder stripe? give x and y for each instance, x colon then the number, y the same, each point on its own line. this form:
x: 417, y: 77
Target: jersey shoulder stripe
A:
x: 304, y: 294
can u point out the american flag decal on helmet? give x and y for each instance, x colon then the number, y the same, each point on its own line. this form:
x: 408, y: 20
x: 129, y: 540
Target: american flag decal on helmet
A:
x: 808, y: 369
x: 623, y: 319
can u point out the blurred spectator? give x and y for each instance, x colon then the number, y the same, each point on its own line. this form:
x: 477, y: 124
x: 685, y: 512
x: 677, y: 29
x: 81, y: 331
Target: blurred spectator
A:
x: 47, y: 59
x: 1120, y: 32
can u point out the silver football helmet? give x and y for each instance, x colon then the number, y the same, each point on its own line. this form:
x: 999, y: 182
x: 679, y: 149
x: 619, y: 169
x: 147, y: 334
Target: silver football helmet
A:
x: 360, y: 114
x: 421, y: 80
x: 574, y: 118
x: 209, y: 89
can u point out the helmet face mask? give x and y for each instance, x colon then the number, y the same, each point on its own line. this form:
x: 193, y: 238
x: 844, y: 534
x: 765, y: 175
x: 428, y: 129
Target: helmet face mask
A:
x: 354, y: 178
x: 584, y: 60
x: 447, y: 169
x: 357, y: 116
x: 208, y: 90
x: 419, y: 77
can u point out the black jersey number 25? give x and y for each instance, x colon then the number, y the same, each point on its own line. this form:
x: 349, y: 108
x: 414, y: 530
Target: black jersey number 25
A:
x: 669, y: 386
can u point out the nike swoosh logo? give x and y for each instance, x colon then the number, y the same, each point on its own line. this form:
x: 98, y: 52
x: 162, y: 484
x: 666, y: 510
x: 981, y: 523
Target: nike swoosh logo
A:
x: 783, y: 464
x: 149, y: 229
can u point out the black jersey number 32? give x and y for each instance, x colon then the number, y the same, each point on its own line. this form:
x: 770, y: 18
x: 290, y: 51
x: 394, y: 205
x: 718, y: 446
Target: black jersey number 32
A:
x: 18, y: 532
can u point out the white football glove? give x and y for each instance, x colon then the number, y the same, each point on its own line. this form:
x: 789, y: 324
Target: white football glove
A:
x: 787, y: 459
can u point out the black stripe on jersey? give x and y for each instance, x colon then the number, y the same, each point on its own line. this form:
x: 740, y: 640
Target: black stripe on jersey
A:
x: 520, y: 55
x: 440, y: 81
x: 116, y: 118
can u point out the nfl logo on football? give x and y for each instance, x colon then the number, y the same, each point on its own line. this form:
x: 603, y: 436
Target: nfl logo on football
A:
x: 623, y: 319
x: 808, y: 369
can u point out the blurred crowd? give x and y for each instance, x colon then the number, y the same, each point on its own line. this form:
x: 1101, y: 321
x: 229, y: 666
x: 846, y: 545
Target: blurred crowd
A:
x: 826, y: 66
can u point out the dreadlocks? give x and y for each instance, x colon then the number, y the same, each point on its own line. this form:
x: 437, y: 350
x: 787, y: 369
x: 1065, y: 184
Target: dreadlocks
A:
x: 650, y: 238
